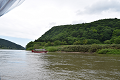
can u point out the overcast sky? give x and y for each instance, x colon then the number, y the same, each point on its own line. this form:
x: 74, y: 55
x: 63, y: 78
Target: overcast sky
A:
x: 33, y: 18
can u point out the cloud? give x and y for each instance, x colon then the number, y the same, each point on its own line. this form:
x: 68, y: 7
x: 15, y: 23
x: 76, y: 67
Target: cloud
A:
x: 33, y: 18
x: 101, y: 7
x: 78, y: 22
x: 52, y: 23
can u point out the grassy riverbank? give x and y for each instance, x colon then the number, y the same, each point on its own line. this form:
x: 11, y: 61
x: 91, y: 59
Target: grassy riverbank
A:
x: 94, y: 48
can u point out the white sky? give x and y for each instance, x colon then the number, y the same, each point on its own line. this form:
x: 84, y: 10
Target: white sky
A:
x: 33, y: 18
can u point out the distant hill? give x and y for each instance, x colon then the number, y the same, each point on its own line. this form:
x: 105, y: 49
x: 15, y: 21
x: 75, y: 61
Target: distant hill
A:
x: 100, y: 31
x: 5, y: 44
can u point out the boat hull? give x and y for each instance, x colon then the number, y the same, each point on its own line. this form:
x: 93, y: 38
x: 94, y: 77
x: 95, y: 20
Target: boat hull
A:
x: 39, y: 51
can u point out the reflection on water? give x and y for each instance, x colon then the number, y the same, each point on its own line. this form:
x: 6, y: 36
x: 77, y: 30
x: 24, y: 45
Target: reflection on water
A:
x: 24, y: 65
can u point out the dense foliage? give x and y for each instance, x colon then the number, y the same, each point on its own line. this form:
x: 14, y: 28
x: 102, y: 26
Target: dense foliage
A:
x: 105, y: 31
x: 93, y: 48
x: 5, y: 44
x: 109, y: 51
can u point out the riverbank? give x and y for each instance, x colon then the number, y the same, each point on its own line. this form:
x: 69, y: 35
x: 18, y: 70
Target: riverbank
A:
x: 94, y: 48
x: 74, y: 52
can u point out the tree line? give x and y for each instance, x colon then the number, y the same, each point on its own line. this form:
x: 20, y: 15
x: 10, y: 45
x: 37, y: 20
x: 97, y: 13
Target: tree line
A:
x: 5, y: 44
x: 104, y: 31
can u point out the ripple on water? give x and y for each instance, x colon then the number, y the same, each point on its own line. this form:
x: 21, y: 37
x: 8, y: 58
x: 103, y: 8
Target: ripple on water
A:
x: 24, y: 65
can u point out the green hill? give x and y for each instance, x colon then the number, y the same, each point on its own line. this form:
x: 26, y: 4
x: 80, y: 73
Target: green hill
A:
x: 100, y: 31
x: 5, y: 44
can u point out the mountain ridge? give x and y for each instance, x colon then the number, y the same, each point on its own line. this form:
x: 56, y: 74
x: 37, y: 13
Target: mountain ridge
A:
x: 62, y: 28
x: 6, y: 44
x: 99, y: 32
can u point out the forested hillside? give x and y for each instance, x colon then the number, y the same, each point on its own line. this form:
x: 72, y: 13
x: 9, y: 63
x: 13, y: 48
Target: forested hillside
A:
x: 5, y: 44
x: 102, y: 31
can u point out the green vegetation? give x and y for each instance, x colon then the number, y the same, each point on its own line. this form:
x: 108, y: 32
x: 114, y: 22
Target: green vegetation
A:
x: 80, y: 37
x: 109, y: 51
x: 94, y: 48
x: 5, y: 44
x: 52, y: 49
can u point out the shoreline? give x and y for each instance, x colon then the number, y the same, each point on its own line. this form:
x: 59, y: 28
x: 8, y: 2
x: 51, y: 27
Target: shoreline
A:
x: 73, y: 52
x: 85, y: 49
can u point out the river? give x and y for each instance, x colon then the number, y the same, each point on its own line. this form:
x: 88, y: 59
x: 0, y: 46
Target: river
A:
x: 25, y: 65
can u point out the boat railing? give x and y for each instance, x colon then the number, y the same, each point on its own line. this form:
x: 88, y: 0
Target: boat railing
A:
x: 40, y: 50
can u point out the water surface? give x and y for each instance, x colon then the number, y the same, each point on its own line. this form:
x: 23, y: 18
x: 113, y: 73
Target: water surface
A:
x: 24, y: 65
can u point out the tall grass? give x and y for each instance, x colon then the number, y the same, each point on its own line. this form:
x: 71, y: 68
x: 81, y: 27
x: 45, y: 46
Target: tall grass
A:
x: 109, y: 51
x: 101, y: 49
x: 52, y: 49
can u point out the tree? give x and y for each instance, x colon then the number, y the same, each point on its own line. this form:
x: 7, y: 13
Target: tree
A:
x: 117, y: 40
x: 85, y: 41
x: 57, y: 42
x: 30, y: 44
x: 63, y: 43
x: 116, y: 32
x: 36, y: 46
x: 107, y: 42
x: 87, y: 33
x: 92, y: 41
x: 105, y: 35
x: 77, y: 43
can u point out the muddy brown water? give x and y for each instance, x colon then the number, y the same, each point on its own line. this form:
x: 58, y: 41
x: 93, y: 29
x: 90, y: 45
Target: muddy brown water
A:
x: 25, y: 65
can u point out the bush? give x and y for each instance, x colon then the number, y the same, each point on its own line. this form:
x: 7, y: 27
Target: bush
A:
x: 109, y: 51
x: 85, y: 41
x: 57, y: 42
x: 52, y: 49
x: 117, y: 40
x: 36, y: 46
x: 46, y: 44
x: 107, y: 42
x: 30, y: 48
x: 77, y: 43
x: 76, y: 48
x: 112, y: 39
x: 103, y: 51
x: 106, y: 46
x: 95, y: 47
x: 92, y: 41
x: 115, y: 46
